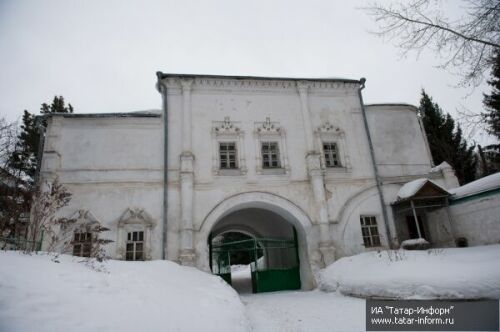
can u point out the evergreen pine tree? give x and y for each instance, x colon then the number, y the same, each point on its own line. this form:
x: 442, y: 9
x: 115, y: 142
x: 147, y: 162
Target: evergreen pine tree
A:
x: 446, y: 141
x: 24, y: 160
x: 57, y: 106
x: 491, y: 153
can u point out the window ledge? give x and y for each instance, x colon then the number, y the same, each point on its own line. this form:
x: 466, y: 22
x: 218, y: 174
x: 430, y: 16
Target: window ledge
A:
x: 337, y: 169
x: 229, y: 172
x: 273, y: 171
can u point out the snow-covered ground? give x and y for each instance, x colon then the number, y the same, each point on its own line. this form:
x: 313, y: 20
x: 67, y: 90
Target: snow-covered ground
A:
x: 305, y: 311
x: 38, y: 295
x: 453, y: 273
x: 241, y: 278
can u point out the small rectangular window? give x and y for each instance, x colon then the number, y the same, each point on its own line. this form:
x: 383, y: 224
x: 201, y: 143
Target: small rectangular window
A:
x: 82, y: 244
x: 369, y: 231
x: 135, y: 246
x: 331, y: 155
x: 270, y: 155
x: 227, y: 155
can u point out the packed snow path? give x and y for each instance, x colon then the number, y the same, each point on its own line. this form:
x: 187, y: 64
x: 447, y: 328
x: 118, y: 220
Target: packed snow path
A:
x: 304, y: 311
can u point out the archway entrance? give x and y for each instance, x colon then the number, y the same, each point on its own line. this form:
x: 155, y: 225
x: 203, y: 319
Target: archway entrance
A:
x: 258, y: 243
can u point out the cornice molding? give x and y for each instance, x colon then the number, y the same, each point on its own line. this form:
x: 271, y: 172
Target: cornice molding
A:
x: 290, y: 86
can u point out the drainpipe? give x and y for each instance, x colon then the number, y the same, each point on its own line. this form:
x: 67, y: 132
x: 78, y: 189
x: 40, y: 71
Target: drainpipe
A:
x: 374, y: 164
x: 163, y: 90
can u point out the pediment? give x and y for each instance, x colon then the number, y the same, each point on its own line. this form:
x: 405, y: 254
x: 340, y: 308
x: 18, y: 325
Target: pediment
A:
x: 135, y: 216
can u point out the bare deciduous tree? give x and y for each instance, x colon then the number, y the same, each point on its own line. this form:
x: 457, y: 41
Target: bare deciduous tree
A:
x: 8, y: 139
x: 47, y: 200
x: 466, y: 45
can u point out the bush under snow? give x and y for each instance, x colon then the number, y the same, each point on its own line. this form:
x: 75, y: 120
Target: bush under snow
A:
x: 37, y: 294
x: 453, y: 273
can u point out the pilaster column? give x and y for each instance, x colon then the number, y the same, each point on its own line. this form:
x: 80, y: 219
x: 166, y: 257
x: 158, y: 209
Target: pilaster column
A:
x: 326, y: 247
x: 186, y: 114
x: 187, y: 254
x: 313, y: 162
x: 303, y: 87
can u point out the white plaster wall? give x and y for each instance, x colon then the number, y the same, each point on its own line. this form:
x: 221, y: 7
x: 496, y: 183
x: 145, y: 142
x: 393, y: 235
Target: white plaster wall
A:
x: 339, y: 106
x: 440, y: 228
x: 113, y: 163
x: 478, y: 220
x: 343, y: 110
x: 398, y: 140
x: 109, y: 165
x: 347, y: 232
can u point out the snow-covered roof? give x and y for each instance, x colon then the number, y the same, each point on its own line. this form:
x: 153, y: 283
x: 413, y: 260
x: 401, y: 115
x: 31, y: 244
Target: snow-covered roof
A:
x: 150, y: 111
x: 487, y: 183
x: 411, y: 188
x: 438, y: 168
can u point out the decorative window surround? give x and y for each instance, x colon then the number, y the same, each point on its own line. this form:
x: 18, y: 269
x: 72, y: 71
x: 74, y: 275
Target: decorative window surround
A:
x: 271, y: 132
x: 328, y: 133
x: 81, y: 233
x: 227, y: 131
x: 134, y: 220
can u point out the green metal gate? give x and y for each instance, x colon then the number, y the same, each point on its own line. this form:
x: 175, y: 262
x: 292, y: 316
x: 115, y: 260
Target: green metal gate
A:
x: 275, y: 264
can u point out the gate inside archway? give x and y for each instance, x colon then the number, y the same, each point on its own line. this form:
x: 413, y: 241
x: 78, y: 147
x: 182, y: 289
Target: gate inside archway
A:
x: 269, y: 247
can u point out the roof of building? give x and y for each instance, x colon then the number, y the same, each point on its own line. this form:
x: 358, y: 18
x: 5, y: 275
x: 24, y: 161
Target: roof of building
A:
x: 490, y: 182
x: 392, y: 105
x: 412, y: 188
x: 135, y: 114
x: 162, y: 75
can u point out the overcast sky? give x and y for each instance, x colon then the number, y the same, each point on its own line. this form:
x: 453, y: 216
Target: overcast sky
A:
x: 102, y: 55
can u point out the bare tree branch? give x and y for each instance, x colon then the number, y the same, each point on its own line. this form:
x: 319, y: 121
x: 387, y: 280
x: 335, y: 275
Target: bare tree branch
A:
x: 466, y: 45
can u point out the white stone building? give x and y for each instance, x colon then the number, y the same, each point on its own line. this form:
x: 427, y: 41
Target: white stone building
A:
x: 268, y: 157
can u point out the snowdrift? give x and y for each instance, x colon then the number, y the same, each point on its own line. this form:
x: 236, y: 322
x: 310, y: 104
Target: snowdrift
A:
x: 37, y: 294
x: 453, y: 273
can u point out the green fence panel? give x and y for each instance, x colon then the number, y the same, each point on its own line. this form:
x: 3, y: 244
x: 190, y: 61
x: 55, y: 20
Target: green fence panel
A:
x: 279, y: 271
x: 276, y: 280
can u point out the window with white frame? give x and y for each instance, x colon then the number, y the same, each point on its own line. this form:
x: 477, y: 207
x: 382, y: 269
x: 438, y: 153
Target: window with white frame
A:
x: 332, y: 140
x: 134, y: 250
x: 270, y: 148
x: 134, y: 235
x: 228, y: 149
x: 227, y: 155
x: 270, y: 155
x: 82, y: 244
x: 331, y: 154
x: 369, y: 231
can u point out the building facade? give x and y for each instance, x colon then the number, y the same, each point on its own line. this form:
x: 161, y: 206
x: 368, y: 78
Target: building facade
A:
x: 268, y: 157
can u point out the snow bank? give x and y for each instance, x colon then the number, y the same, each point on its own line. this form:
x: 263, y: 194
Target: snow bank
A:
x: 415, y: 244
x: 484, y: 184
x: 453, y: 273
x: 37, y: 294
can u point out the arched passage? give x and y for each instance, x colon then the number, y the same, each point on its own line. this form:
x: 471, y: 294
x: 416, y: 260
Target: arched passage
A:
x: 262, y: 215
